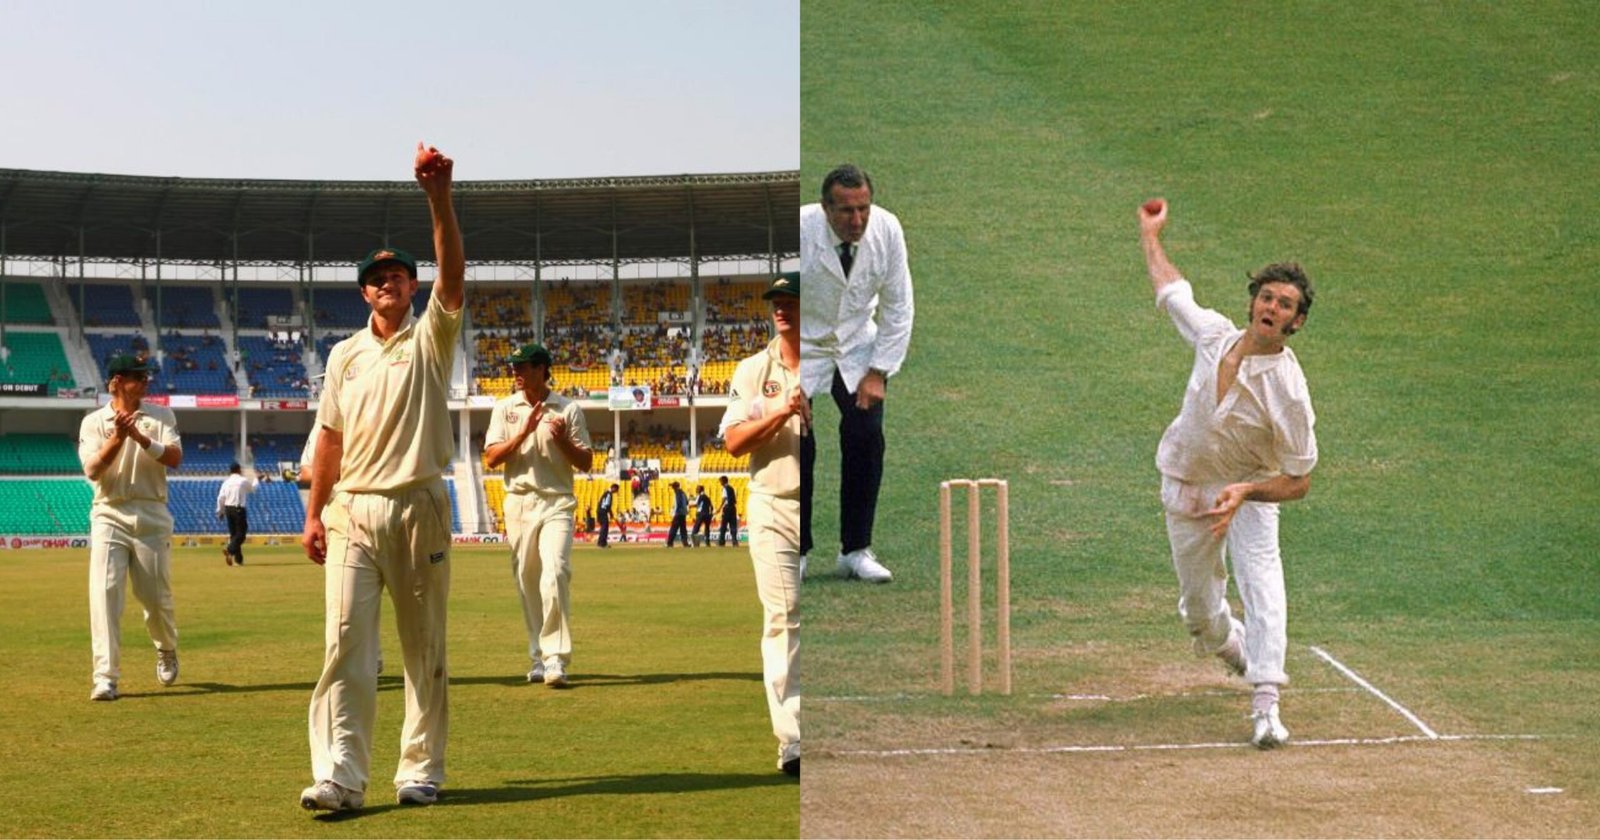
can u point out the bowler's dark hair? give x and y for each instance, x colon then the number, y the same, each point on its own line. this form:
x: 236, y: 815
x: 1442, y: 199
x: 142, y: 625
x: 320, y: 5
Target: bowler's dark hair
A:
x: 846, y: 175
x: 1290, y: 273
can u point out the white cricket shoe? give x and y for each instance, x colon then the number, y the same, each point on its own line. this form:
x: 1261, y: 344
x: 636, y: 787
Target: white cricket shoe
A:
x: 1270, y: 731
x: 166, y: 666
x: 417, y: 793
x: 104, y: 691
x: 555, y: 675
x: 536, y: 673
x: 330, y: 796
x: 1232, y: 653
x: 863, y: 564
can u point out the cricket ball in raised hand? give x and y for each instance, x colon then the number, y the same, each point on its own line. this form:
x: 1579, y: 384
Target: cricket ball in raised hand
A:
x: 1153, y: 206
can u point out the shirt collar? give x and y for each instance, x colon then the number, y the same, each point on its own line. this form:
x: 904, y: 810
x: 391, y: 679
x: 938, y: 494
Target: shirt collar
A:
x: 407, y: 324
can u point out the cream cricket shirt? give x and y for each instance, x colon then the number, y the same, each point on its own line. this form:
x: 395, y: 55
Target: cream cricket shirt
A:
x: 538, y: 465
x: 388, y: 399
x: 132, y: 476
x: 761, y: 385
x: 1263, y: 426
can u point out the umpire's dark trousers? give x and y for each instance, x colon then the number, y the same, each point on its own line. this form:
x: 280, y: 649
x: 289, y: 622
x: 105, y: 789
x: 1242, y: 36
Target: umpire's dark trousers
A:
x: 238, y: 528
x: 860, y: 471
x: 605, y: 529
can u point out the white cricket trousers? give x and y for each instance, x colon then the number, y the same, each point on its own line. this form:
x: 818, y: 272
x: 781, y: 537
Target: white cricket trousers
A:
x: 400, y: 541
x: 129, y: 546
x: 1201, y: 559
x: 774, y: 534
x: 540, y: 528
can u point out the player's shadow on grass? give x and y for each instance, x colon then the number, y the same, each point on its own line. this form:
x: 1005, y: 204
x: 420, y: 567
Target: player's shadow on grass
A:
x: 528, y: 790
x: 581, y: 680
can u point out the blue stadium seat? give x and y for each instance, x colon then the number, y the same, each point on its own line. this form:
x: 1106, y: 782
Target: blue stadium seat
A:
x: 274, y: 369
x: 256, y: 304
x: 275, y: 507
x: 105, y: 304
x: 184, y: 307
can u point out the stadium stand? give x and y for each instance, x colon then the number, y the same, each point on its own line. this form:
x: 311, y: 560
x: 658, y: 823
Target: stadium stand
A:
x: 23, y: 454
x: 207, y: 454
x: 194, y: 364
x: 500, y: 308
x: 183, y: 307
x: 271, y: 450
x: 26, y: 304
x: 45, y: 506
x: 104, y: 304
x: 336, y: 309
x: 255, y: 304
x: 273, y: 368
x: 37, y: 358
x: 275, y: 507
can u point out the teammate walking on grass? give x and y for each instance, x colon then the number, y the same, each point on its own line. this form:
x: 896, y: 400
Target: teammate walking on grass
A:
x: 126, y: 448
x: 854, y: 332
x: 379, y: 514
x: 1242, y: 443
x: 767, y: 411
x: 540, y: 437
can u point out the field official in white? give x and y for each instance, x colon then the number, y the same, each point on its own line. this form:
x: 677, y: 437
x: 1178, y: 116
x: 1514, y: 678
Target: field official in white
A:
x: 855, y: 328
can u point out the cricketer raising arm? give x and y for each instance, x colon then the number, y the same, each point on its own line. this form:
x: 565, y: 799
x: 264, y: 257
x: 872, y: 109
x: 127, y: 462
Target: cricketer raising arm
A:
x: 1242, y: 443
x: 379, y: 513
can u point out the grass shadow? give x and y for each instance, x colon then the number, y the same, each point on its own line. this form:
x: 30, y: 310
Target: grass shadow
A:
x: 527, y: 790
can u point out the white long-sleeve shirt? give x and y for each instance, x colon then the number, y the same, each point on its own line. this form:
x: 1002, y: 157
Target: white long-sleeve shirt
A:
x: 858, y: 323
x: 235, y: 492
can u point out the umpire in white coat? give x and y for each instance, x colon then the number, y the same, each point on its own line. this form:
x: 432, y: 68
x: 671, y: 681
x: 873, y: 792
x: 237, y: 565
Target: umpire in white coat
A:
x: 855, y: 327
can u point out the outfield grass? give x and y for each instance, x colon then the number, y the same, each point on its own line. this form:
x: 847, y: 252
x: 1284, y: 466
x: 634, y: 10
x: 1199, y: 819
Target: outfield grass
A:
x: 1431, y: 165
x: 663, y: 732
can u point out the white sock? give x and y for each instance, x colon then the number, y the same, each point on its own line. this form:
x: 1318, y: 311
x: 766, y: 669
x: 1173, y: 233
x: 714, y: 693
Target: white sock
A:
x: 1266, y: 694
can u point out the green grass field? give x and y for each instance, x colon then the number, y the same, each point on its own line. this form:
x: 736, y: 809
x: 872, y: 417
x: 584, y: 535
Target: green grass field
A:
x: 663, y: 732
x: 1432, y: 166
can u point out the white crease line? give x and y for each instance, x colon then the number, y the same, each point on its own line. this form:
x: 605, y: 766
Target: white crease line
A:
x: 1082, y: 698
x: 1426, y: 730
x: 1105, y: 748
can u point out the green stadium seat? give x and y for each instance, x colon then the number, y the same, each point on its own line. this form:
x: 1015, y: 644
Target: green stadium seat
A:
x: 26, y: 304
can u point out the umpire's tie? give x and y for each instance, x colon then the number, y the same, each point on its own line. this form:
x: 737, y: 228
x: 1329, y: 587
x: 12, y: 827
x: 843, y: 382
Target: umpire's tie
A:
x: 846, y: 258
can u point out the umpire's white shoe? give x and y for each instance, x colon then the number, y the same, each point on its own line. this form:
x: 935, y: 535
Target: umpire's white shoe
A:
x: 330, y: 796
x: 863, y: 564
x: 417, y: 793
x: 536, y: 673
x: 104, y: 691
x: 1270, y: 731
x: 166, y: 666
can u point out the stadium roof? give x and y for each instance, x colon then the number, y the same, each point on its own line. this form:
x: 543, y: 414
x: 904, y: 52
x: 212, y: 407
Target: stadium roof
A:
x: 62, y: 215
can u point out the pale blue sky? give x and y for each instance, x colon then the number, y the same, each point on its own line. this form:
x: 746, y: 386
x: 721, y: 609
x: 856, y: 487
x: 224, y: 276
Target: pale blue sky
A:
x: 343, y: 90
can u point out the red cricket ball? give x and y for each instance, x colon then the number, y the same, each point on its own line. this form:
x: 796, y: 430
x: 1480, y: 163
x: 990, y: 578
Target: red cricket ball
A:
x: 1154, y: 206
